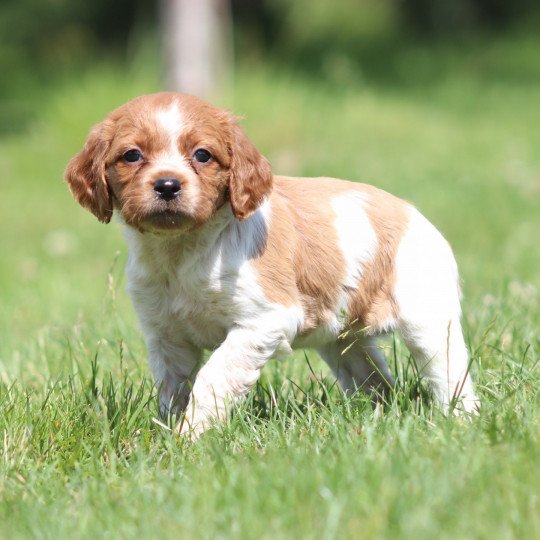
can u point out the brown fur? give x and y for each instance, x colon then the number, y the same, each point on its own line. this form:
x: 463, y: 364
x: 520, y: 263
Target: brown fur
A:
x: 251, y: 175
x: 86, y: 175
x: 302, y: 263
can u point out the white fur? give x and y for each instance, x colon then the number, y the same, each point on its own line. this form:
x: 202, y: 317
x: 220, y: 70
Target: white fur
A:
x: 200, y: 291
x: 427, y: 293
x: 170, y: 158
x: 357, y: 240
x: 356, y: 236
x: 170, y: 120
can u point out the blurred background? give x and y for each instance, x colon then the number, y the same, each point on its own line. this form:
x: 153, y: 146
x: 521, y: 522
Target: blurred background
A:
x: 365, y: 42
x: 437, y: 101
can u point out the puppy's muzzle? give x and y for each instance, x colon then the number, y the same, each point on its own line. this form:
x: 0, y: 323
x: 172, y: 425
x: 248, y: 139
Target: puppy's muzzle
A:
x: 167, y: 188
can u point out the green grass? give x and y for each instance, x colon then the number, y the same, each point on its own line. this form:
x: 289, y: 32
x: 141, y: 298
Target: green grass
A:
x: 83, y: 453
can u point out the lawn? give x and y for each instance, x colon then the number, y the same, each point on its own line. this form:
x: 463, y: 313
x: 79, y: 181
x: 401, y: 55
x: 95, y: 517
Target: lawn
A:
x: 83, y: 451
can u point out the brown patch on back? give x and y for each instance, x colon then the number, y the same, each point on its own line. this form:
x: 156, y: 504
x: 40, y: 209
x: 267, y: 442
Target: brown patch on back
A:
x: 303, y: 264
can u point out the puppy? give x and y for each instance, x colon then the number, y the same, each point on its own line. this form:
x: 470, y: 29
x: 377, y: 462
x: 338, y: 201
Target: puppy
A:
x: 227, y: 257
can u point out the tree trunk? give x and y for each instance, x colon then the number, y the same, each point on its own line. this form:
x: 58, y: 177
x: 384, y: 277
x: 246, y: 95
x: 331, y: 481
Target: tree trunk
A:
x: 197, y: 41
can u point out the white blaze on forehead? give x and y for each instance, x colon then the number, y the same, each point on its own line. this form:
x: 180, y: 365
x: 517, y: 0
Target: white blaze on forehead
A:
x: 170, y: 120
x: 356, y: 236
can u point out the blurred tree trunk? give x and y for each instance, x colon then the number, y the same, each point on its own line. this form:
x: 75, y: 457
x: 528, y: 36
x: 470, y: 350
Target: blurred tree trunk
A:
x: 198, y: 49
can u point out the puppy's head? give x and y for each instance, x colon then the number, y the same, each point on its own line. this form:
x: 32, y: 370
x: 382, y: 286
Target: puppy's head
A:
x: 168, y: 161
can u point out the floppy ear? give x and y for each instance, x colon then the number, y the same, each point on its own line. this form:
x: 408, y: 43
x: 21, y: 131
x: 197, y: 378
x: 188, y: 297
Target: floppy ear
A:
x: 85, y: 175
x: 251, y: 176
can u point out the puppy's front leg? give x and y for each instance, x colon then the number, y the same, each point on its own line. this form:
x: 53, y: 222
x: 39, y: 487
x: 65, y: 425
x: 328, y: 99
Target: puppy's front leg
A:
x: 229, y: 374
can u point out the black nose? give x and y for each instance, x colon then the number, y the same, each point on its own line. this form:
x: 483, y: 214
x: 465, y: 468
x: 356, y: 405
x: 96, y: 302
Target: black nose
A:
x: 167, y: 188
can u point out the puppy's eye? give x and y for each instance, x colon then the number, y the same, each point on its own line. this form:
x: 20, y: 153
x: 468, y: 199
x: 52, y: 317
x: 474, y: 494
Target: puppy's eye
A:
x: 202, y: 155
x: 132, y: 156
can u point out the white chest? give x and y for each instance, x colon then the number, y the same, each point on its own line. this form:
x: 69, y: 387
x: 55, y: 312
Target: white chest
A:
x: 190, y: 305
x: 199, y: 301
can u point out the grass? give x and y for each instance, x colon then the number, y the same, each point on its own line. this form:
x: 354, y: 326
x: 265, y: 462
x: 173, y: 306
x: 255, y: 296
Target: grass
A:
x: 83, y: 453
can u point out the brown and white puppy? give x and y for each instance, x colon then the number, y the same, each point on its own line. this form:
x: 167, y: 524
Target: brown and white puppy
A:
x: 227, y: 257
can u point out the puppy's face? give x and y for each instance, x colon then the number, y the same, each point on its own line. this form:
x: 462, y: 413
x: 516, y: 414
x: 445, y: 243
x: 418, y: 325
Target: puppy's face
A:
x: 167, y: 162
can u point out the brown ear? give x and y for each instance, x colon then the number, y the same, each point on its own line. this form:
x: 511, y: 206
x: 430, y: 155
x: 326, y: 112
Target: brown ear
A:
x: 85, y: 175
x: 251, y: 176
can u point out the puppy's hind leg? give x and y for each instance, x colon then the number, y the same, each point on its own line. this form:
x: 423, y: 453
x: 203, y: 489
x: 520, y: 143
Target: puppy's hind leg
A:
x: 428, y: 301
x: 359, y: 363
x: 441, y: 355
